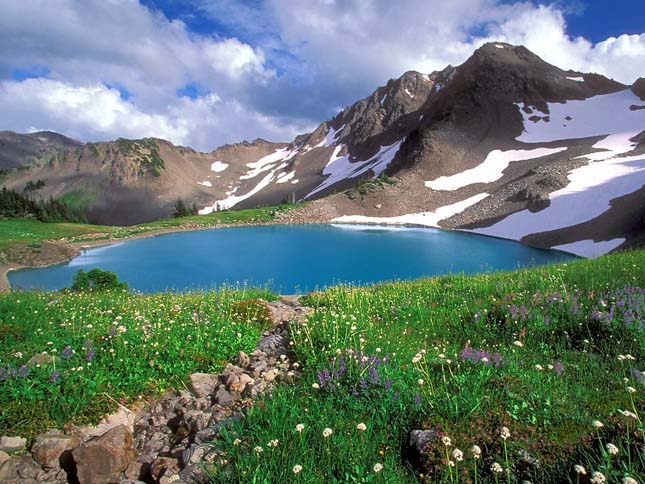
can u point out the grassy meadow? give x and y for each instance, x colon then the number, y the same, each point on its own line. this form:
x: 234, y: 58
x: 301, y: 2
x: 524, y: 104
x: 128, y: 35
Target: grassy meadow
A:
x: 33, y: 231
x: 526, y: 376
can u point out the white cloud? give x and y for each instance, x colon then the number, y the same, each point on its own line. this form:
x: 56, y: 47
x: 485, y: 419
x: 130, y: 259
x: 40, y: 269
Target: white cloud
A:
x: 301, y: 59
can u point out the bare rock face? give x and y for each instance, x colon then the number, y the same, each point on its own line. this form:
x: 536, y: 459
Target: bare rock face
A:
x: 203, y: 384
x: 12, y: 444
x: 103, y: 459
x: 53, y: 450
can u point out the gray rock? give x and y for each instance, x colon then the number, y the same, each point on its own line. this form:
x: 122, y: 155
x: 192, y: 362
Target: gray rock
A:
x: 164, y: 467
x: 26, y: 467
x: 52, y: 450
x: 203, y: 384
x: 42, y: 359
x: 270, y: 375
x: 224, y: 397
x: 270, y: 344
x: 103, y: 459
x: 193, y: 455
x: 12, y: 444
x: 242, y: 360
x: 8, y: 472
x: 3, y: 456
x: 131, y: 481
x: 420, y: 438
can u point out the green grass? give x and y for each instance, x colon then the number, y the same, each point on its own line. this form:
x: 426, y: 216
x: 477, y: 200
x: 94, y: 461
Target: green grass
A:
x: 30, y: 230
x: 543, y: 352
x: 103, y: 348
x: 78, y: 199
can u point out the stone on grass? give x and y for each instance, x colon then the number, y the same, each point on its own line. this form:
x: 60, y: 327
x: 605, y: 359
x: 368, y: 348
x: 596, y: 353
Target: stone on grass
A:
x: 104, y: 458
x: 203, y: 384
x: 53, y: 450
x: 12, y: 444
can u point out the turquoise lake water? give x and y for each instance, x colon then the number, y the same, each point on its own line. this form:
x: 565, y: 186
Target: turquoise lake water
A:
x: 290, y: 258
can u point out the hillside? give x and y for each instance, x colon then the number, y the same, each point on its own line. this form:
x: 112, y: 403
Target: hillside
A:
x: 504, y: 144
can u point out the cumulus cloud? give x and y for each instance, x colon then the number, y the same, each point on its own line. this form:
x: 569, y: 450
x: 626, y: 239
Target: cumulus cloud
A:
x: 272, y: 68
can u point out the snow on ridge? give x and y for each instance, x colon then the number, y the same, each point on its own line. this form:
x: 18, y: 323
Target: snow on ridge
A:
x: 219, y: 166
x: 233, y: 200
x: 577, y: 79
x: 340, y: 167
x: 205, y: 183
x: 330, y: 137
x: 589, y: 248
x: 500, y: 46
x: 383, y: 99
x: 490, y: 170
x: 596, y: 116
x: 428, y: 219
x: 408, y: 93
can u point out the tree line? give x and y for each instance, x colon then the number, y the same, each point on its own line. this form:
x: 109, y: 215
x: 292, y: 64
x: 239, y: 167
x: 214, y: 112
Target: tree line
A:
x: 15, y: 205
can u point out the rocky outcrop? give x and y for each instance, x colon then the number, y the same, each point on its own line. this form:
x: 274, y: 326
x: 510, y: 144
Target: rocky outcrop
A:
x: 175, y: 436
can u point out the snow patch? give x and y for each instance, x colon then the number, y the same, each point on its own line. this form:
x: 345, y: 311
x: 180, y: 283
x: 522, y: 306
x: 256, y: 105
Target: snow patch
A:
x: 330, y: 137
x: 500, y: 46
x: 383, y: 99
x: 577, y: 79
x: 285, y: 177
x: 595, y: 116
x: 490, y: 170
x: 408, y: 93
x: 295, y: 181
x: 266, y: 163
x: 205, y: 183
x: 340, y: 167
x: 219, y: 166
x: 233, y: 200
x: 589, y: 248
x: 428, y: 219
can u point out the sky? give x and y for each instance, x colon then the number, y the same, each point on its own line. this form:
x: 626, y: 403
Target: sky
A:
x: 203, y: 73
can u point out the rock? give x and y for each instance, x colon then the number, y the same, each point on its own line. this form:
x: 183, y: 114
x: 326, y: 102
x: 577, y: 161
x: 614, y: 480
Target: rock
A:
x: 131, y: 481
x: 194, y: 474
x: 420, y: 438
x: 193, y: 455
x: 53, y: 450
x: 258, y: 367
x: 270, y: 375
x: 26, y: 467
x: 134, y: 471
x: 8, y: 472
x: 104, y: 458
x: 3, y: 456
x: 42, y: 359
x: 272, y: 343
x: 12, y: 444
x: 164, y: 467
x: 203, y: 384
x: 378, y: 206
x: 196, y: 420
x: 224, y: 397
x: 240, y: 385
x: 242, y: 360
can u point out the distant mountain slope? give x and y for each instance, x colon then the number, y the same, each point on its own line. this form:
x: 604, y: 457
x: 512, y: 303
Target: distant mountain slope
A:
x: 504, y: 144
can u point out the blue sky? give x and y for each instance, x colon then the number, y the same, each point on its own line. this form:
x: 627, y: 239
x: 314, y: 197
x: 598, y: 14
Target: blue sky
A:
x: 208, y: 72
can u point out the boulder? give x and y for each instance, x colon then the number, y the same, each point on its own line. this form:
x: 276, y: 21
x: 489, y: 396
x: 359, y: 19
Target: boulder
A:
x: 163, y: 468
x: 102, y: 460
x: 3, y: 456
x: 12, y: 444
x: 8, y: 472
x: 42, y: 359
x: 53, y: 450
x: 203, y: 384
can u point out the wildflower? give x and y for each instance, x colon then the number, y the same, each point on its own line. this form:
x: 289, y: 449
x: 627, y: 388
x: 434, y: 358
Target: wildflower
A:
x: 496, y: 468
x: 420, y: 381
x: 327, y: 432
x: 631, y: 389
x: 417, y: 400
x: 476, y: 451
x: 273, y: 443
x: 378, y: 467
x: 362, y: 427
x: 315, y: 386
x: 417, y: 358
x: 300, y: 427
x: 297, y: 468
x: 597, y: 424
x: 446, y: 441
x: 451, y: 463
x: 598, y: 478
x: 505, y: 433
x: 539, y: 367
x: 237, y: 442
x: 612, y: 449
x: 458, y: 455
x: 628, y: 414
x: 23, y: 371
x: 519, y: 344
x: 258, y: 449
x: 54, y: 377
x: 67, y: 353
x: 629, y: 480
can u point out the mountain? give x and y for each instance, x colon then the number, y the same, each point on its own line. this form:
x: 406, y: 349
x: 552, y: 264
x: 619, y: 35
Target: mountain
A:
x: 504, y: 144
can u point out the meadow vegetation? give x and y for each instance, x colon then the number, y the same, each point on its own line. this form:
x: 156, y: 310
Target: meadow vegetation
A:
x: 526, y: 376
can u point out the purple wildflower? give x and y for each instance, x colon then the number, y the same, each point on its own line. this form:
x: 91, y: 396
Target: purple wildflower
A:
x: 54, y: 377
x: 372, y: 375
x: 67, y: 353
x: 638, y: 376
x: 90, y: 355
x: 417, y: 400
x: 23, y: 371
x: 558, y: 369
x: 387, y: 384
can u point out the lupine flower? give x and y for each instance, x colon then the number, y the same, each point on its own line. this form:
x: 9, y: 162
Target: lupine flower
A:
x: 54, y: 377
x: 297, y: 468
x: 23, y: 371
x: 417, y: 400
x: 67, y: 353
x: 378, y: 467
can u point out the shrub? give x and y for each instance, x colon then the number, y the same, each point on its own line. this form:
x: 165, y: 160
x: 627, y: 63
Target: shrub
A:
x: 97, y: 280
